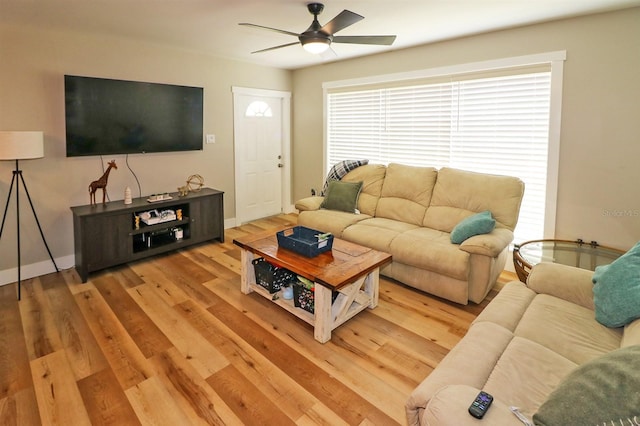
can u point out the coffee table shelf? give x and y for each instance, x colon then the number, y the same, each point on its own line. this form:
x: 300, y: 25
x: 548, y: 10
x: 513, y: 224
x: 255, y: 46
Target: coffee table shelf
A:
x: 283, y: 303
x: 351, y: 270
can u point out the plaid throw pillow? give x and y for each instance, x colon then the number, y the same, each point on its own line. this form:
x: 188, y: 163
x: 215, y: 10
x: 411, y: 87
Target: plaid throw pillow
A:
x: 340, y: 169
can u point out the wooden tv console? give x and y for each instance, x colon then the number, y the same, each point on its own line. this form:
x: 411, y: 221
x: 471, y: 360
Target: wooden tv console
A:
x: 106, y: 235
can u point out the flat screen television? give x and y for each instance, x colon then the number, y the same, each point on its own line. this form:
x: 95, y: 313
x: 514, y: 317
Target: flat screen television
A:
x: 107, y: 117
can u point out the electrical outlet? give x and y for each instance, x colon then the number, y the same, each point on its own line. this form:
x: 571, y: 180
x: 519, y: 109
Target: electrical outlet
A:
x: 211, y: 138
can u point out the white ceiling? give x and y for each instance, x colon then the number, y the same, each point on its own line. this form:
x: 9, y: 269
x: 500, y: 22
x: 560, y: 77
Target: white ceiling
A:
x: 211, y: 26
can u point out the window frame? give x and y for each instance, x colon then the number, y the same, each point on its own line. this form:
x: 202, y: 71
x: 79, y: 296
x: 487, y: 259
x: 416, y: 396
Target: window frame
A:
x: 554, y: 59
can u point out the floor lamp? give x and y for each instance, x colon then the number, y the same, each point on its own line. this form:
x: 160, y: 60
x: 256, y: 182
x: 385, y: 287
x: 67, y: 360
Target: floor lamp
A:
x: 17, y: 146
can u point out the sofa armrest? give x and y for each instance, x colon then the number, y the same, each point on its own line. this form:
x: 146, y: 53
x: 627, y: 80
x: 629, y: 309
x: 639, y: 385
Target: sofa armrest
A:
x: 309, y: 203
x: 491, y: 244
x: 450, y: 407
x: 562, y: 281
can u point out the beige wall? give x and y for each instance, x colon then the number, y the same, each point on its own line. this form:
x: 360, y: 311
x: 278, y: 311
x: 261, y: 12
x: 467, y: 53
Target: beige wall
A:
x: 600, y: 127
x: 598, y: 189
x: 32, y: 65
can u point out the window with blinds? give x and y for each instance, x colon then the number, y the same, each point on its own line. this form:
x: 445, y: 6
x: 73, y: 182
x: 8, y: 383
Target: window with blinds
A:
x: 497, y: 124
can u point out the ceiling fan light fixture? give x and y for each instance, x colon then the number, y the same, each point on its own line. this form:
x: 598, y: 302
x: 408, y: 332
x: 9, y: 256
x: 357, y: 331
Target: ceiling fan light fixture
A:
x: 317, y: 38
x: 316, y: 46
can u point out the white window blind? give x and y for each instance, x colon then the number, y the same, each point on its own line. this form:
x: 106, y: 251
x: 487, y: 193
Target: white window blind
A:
x: 496, y: 125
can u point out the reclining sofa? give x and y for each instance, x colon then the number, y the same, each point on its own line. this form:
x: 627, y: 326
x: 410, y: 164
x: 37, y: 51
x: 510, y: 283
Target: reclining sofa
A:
x: 410, y: 212
x: 540, y: 351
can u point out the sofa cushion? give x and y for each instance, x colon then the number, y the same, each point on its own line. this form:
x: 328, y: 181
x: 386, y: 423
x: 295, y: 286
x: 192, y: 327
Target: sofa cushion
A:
x: 567, y: 328
x: 342, y: 196
x: 406, y: 193
x: 430, y: 249
x: 631, y: 334
x: 603, y: 391
x: 376, y: 233
x: 616, y: 293
x: 372, y: 177
x: 477, y: 224
x: 526, y: 374
x: 459, y: 193
x: 333, y: 221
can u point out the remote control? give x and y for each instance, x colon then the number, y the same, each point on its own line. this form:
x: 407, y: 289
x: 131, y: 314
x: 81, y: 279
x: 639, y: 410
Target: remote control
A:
x: 480, y: 405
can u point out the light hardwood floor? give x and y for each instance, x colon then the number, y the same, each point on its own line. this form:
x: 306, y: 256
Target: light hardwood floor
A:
x: 172, y: 341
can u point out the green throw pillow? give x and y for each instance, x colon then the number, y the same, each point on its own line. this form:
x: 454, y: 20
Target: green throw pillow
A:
x: 480, y: 223
x: 342, y: 196
x: 616, y: 293
x: 605, y: 390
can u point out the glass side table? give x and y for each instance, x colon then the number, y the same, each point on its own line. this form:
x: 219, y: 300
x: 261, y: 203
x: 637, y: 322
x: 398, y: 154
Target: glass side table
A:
x: 573, y: 253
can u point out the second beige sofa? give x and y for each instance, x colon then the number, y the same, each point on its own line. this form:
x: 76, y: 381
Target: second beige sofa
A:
x: 410, y: 212
x: 529, y: 348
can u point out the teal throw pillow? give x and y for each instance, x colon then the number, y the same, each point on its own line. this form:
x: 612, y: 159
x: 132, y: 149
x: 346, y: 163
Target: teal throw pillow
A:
x: 605, y: 390
x: 616, y: 293
x: 342, y: 196
x: 480, y: 223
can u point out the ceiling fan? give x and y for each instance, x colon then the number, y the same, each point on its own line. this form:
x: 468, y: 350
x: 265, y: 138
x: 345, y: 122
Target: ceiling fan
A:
x: 317, y: 38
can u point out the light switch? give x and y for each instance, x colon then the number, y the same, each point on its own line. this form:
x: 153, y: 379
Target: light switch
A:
x: 211, y: 138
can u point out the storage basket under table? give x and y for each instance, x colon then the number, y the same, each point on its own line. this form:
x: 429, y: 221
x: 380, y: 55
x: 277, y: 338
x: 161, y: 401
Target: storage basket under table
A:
x: 270, y: 276
x: 305, y: 241
x: 304, y: 296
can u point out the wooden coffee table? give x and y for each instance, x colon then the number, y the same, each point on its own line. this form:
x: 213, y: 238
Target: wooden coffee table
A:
x: 350, y: 269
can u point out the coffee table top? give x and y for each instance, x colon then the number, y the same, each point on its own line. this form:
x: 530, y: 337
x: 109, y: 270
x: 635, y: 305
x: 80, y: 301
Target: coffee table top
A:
x: 333, y: 269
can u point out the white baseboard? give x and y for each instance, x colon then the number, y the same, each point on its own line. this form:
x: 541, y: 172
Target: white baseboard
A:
x: 9, y: 276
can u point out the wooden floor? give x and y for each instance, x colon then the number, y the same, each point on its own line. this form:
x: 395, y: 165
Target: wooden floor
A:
x: 172, y: 341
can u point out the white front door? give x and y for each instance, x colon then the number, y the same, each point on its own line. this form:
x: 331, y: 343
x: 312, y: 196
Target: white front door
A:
x: 261, y: 139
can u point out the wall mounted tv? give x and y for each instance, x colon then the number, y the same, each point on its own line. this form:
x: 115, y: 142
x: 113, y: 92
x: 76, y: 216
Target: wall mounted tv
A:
x: 105, y: 117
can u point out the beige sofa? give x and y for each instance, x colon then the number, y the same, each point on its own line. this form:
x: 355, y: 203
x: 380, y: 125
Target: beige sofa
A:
x: 410, y: 212
x: 522, y: 347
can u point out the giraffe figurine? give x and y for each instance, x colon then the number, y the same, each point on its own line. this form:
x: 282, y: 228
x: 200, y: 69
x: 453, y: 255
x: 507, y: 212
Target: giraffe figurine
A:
x: 101, y: 183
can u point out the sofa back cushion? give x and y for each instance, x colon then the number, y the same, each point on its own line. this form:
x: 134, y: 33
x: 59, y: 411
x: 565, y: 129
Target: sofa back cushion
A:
x: 406, y: 193
x: 458, y: 194
x: 371, y: 176
x: 631, y: 334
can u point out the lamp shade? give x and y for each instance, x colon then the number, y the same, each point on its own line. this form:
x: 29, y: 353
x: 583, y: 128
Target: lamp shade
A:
x: 21, y: 145
x: 316, y: 46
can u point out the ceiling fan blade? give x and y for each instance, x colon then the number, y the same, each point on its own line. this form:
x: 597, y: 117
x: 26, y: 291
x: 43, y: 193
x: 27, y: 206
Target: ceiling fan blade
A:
x: 329, y: 54
x: 380, y: 40
x: 277, y: 47
x: 341, y: 21
x: 270, y: 29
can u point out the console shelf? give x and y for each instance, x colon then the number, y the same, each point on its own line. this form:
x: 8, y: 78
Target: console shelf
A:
x: 108, y: 234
